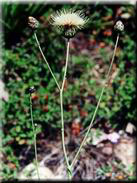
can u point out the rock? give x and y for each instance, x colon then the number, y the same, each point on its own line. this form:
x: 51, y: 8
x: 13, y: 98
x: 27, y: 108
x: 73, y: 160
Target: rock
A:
x: 130, y: 128
x: 107, y: 149
x: 97, y: 136
x: 125, y: 151
x: 113, y: 137
x: 29, y: 172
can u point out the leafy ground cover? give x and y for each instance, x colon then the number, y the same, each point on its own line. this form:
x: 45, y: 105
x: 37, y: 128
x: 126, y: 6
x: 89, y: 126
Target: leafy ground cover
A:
x: 91, y: 51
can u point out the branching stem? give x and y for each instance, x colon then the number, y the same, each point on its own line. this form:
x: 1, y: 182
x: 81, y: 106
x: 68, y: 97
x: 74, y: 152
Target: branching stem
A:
x: 61, y: 89
x: 61, y: 107
x: 35, y: 35
x: 94, y: 115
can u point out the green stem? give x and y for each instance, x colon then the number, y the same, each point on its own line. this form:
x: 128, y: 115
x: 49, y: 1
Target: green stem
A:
x: 69, y: 172
x: 61, y: 98
x: 46, y: 61
x: 66, y: 65
x: 34, y: 133
x: 105, y: 84
x: 62, y: 134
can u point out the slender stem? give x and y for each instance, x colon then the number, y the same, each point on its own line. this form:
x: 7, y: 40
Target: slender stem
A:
x: 61, y: 98
x: 105, y: 84
x: 62, y: 133
x: 62, y: 117
x: 62, y: 129
x: 35, y: 35
x: 34, y: 133
x: 66, y: 65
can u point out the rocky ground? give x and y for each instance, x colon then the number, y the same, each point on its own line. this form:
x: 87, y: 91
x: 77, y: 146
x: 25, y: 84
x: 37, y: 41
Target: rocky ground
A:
x: 105, y: 156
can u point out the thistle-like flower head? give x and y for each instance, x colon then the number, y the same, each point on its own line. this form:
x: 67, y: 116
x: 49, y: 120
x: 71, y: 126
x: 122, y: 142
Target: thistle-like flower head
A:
x: 68, y: 21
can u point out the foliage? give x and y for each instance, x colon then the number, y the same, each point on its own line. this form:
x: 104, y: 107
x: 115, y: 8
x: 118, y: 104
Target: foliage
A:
x: 24, y: 67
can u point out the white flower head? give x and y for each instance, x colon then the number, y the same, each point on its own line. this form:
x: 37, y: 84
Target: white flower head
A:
x: 69, y: 21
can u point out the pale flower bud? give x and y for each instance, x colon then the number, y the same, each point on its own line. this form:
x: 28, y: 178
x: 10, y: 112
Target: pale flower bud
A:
x: 33, y: 22
x: 119, y: 26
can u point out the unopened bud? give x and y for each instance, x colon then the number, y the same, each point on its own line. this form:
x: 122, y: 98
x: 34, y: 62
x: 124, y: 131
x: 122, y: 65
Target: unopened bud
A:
x: 33, y: 22
x: 32, y: 89
x: 119, y: 26
x: 35, y: 125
